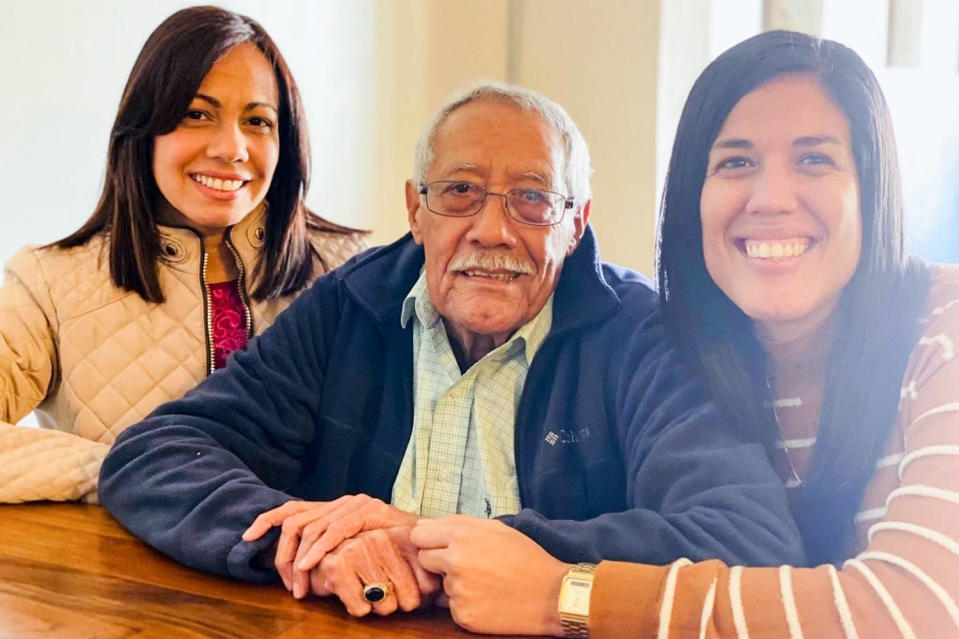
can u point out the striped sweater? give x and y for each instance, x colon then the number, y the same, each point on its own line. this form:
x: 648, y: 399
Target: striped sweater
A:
x: 904, y: 581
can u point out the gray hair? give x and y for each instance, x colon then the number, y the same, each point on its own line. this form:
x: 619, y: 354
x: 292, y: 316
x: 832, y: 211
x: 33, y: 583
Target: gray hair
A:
x: 578, y: 169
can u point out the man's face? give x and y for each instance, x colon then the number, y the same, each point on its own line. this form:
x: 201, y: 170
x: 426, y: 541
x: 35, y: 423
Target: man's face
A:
x: 488, y: 274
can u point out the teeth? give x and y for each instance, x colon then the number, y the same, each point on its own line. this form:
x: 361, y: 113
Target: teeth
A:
x: 776, y: 249
x: 217, y: 184
x: 503, y: 277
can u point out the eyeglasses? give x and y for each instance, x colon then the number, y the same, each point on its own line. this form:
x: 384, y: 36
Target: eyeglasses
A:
x: 455, y: 198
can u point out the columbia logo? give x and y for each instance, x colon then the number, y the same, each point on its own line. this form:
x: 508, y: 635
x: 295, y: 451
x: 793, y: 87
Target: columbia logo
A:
x: 567, y: 436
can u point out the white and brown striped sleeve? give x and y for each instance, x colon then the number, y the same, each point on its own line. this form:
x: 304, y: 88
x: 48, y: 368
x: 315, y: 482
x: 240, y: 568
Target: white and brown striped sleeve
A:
x: 905, y: 583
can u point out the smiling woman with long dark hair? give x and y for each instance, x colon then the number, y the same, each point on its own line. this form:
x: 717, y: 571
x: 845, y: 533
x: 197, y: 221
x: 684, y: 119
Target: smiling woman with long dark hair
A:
x: 199, y: 240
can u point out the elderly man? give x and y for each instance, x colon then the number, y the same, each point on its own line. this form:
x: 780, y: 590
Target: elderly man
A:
x: 488, y: 364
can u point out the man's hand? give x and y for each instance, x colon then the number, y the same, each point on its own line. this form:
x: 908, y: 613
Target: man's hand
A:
x: 497, y: 580
x: 376, y: 556
x: 353, y: 515
x: 312, y: 529
x: 292, y: 517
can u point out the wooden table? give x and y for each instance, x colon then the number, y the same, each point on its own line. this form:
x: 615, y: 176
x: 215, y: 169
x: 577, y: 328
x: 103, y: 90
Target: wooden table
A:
x: 71, y: 571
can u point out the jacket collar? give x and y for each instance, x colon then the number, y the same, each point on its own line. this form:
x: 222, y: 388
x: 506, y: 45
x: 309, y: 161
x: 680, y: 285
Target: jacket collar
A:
x: 380, y: 280
x: 182, y: 245
x: 248, y: 237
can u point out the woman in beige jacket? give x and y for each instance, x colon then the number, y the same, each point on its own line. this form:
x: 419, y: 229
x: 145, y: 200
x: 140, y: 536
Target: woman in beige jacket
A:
x: 199, y: 240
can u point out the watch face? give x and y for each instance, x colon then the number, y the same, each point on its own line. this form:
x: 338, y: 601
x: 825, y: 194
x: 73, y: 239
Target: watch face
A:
x: 576, y: 597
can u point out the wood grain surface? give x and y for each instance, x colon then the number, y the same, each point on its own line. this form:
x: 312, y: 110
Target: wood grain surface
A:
x: 71, y: 571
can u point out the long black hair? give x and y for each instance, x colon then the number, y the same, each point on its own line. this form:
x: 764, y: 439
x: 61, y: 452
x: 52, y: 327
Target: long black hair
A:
x: 165, y: 77
x: 878, y: 310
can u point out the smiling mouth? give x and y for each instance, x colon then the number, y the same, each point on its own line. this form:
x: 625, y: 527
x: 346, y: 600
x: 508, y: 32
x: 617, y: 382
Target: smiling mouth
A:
x: 774, y: 249
x: 217, y: 184
x: 499, y: 276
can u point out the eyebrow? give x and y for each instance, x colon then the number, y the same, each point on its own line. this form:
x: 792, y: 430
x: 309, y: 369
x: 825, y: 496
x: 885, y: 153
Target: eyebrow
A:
x: 469, y: 168
x: 733, y: 143
x: 815, y: 140
x: 805, y: 141
x: 533, y: 175
x: 248, y: 107
x: 475, y: 170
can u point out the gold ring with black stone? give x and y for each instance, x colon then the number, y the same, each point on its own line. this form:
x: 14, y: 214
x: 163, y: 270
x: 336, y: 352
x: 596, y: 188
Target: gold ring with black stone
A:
x: 377, y: 592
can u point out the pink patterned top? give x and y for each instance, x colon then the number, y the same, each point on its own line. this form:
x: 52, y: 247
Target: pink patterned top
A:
x: 228, y: 321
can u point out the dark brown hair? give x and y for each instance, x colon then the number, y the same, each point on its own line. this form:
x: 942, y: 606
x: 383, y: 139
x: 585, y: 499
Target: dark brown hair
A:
x: 165, y: 77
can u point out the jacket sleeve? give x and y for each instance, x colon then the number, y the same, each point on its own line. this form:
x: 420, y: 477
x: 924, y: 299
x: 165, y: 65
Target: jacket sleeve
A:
x: 695, y: 487
x: 35, y: 464
x: 905, y: 583
x: 194, y: 474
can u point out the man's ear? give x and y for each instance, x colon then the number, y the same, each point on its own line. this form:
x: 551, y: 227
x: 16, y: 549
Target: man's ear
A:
x: 579, y: 227
x: 412, y: 208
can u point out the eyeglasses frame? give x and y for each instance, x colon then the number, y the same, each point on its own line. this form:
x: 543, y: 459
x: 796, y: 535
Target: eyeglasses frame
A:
x: 568, y: 202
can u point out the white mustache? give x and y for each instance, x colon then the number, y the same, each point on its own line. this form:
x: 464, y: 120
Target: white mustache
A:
x: 492, y: 262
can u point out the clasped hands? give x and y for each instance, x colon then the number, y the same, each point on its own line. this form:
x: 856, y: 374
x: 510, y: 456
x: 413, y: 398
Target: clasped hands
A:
x: 493, y: 578
x: 338, y: 547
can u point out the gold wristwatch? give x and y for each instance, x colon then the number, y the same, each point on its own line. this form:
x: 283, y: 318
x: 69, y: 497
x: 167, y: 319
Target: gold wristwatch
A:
x: 574, y: 600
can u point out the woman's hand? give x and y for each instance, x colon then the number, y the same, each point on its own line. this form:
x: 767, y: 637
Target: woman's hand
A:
x: 497, y: 580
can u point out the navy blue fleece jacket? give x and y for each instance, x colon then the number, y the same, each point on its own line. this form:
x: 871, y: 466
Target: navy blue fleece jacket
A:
x: 618, y: 455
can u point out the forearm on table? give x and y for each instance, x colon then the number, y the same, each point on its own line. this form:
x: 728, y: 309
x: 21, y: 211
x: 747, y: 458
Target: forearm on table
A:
x: 42, y: 464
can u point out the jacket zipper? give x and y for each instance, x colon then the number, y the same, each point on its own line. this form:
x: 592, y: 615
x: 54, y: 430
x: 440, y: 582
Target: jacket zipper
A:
x: 208, y: 302
x: 241, y: 285
x: 207, y: 315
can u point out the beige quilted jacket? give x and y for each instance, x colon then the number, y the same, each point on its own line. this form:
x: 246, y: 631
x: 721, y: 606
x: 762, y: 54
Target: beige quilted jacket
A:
x: 92, y: 359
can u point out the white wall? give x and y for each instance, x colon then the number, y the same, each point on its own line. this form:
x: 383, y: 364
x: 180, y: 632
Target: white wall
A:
x: 65, y: 65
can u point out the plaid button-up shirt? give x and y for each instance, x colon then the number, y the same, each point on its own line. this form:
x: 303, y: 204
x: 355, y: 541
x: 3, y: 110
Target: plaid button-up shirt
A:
x: 460, y: 455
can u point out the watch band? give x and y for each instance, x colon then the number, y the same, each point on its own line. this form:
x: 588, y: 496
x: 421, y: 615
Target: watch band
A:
x: 574, y: 628
x: 575, y: 625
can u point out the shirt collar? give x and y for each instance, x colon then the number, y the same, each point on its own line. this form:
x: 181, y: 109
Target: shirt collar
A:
x: 417, y: 302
